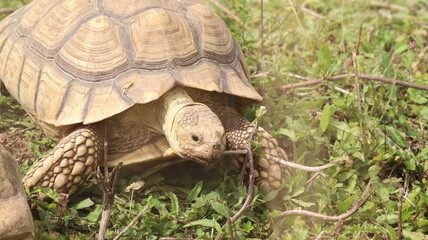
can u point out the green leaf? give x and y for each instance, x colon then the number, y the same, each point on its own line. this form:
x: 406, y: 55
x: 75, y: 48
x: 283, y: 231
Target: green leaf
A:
x: 195, y: 192
x: 391, y: 233
x: 324, y: 57
x: 417, y: 96
x: 424, y: 113
x: 219, y: 208
x: 206, y: 223
x: 410, y: 164
x: 49, y: 192
x: 174, y: 202
x: 289, y: 133
x: 396, y: 136
x: 95, y: 214
x: 325, y: 118
x: 83, y: 204
x: 303, y: 203
x: 414, y: 235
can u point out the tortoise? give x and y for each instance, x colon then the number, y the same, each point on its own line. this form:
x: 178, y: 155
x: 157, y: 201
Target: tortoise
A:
x: 159, y: 81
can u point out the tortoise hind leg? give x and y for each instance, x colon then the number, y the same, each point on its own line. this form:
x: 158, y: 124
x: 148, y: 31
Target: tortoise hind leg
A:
x: 269, y: 174
x: 69, y: 164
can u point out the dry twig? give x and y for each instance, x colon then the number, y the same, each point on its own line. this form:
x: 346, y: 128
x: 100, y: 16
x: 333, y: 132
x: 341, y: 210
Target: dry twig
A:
x: 249, y: 157
x: 108, y: 184
x: 295, y: 13
x: 311, y: 82
x: 357, y: 88
x: 261, y: 38
x: 230, y: 14
x: 6, y: 11
x: 303, y: 167
x: 389, y: 6
x: 400, y: 212
x: 341, y: 217
x: 136, y: 218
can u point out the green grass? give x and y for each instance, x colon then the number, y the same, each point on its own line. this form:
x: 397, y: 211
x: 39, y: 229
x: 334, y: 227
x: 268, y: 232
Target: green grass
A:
x: 314, y: 124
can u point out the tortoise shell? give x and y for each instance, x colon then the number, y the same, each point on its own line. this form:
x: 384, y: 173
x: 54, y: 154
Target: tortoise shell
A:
x: 82, y: 61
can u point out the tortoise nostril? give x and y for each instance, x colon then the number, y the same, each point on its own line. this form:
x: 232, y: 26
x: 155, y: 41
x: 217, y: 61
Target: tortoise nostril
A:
x: 216, y: 146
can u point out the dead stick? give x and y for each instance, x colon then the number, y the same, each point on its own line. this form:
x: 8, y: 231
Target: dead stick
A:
x: 250, y: 159
x: 230, y: 14
x: 389, y: 5
x: 108, y: 185
x: 234, y: 152
x: 349, y: 213
x: 251, y: 180
x: 400, y: 212
x: 108, y: 188
x: 6, y: 11
x: 136, y: 218
x: 357, y: 88
x: 303, y: 167
x: 343, y: 76
x: 261, y: 38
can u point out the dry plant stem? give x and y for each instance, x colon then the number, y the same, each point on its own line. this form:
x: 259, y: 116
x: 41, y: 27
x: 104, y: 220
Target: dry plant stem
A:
x: 261, y: 39
x: 400, y: 212
x: 315, y: 14
x: 172, y: 238
x: 250, y: 188
x: 136, y: 218
x: 234, y: 152
x: 230, y: 14
x: 108, y: 184
x: 250, y: 160
x: 389, y: 6
x: 6, y: 11
x: 295, y: 13
x: 319, y: 236
x: 311, y: 82
x: 303, y: 167
x: 357, y: 88
x: 343, y: 216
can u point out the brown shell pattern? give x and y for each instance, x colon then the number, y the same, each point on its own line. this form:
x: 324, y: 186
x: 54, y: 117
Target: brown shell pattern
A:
x: 82, y: 61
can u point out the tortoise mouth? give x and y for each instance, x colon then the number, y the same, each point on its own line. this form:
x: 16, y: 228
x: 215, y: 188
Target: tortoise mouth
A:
x: 204, y: 161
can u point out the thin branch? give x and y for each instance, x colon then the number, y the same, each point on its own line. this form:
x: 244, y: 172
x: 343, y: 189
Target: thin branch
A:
x: 295, y: 12
x: 6, y: 11
x: 108, y: 185
x: 249, y: 157
x: 311, y: 82
x: 230, y: 14
x: 261, y: 38
x: 303, y: 167
x: 400, y: 212
x: 313, y: 13
x: 235, y: 152
x: 136, y: 218
x: 357, y: 88
x: 389, y: 6
x: 251, y: 180
x: 319, y: 236
x: 343, y: 216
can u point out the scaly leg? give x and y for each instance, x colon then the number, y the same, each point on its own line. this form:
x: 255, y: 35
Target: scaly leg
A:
x: 268, y: 174
x: 69, y: 164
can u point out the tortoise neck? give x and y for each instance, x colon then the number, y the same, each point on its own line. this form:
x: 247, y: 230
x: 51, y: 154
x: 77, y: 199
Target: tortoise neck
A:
x: 172, y: 102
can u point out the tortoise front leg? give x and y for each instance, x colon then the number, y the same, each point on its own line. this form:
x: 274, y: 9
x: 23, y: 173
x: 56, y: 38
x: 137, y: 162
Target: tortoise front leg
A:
x: 69, y: 164
x: 268, y: 174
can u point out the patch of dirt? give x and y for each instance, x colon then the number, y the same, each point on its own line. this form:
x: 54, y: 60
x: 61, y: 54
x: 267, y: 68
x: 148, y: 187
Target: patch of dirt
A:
x: 18, y: 144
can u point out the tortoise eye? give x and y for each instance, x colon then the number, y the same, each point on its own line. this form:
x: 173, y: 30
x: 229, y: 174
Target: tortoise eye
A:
x: 195, y: 138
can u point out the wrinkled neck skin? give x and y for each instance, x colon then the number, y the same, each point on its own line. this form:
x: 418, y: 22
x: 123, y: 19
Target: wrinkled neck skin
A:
x: 192, y: 129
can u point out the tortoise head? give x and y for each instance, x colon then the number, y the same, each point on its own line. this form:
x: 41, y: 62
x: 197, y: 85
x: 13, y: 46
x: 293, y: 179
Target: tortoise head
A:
x: 197, y: 134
